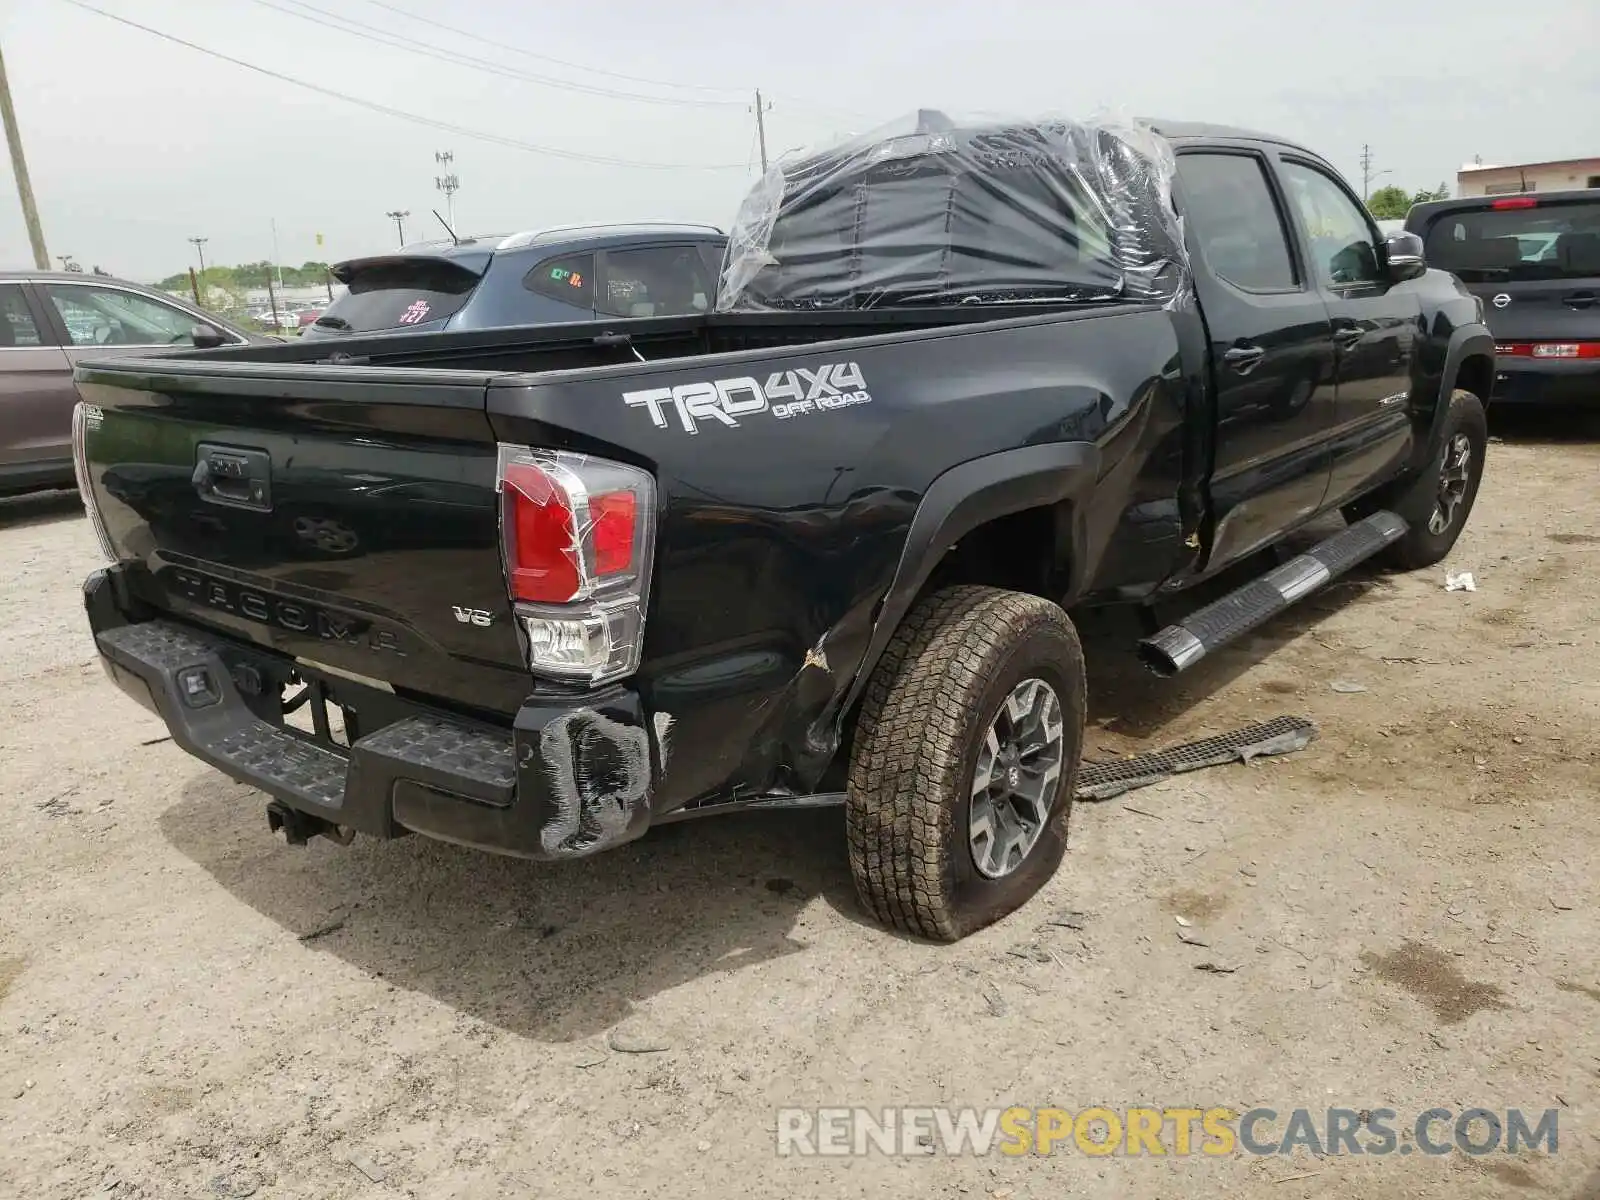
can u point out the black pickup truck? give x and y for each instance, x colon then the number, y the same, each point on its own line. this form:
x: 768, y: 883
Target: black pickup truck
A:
x: 535, y: 590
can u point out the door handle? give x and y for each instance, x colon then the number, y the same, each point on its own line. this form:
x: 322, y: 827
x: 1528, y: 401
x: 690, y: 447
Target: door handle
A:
x: 1244, y: 358
x: 1347, y: 338
x: 1579, y: 300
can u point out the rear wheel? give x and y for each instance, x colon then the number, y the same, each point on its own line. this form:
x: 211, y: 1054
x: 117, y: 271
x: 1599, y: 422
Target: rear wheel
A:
x: 1437, y: 501
x: 965, y: 758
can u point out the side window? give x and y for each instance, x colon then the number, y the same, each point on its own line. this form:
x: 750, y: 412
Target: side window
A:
x: 1342, y: 250
x: 1230, y: 208
x: 106, y: 317
x: 655, y: 281
x: 569, y: 279
x: 17, y: 326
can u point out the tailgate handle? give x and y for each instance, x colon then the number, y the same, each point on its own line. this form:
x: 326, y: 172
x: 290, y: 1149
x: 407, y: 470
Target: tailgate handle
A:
x: 235, y: 477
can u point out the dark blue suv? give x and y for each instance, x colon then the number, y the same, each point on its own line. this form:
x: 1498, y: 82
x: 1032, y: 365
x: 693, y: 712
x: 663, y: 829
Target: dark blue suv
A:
x: 572, y: 273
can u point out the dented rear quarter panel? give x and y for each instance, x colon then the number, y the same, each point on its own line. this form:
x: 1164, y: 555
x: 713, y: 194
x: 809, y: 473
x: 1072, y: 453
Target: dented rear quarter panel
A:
x: 781, y: 535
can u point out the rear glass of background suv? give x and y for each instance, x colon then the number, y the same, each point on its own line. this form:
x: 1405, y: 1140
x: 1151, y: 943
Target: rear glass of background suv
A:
x: 399, y: 295
x: 1559, y: 240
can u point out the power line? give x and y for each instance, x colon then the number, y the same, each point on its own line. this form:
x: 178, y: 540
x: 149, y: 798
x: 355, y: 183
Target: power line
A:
x: 416, y: 118
x: 560, y: 62
x: 401, y: 42
x: 852, y: 114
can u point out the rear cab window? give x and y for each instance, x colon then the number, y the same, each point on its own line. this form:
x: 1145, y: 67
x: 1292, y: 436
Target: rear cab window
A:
x: 397, y: 294
x: 1519, y: 240
x: 1231, y: 209
x: 711, y: 253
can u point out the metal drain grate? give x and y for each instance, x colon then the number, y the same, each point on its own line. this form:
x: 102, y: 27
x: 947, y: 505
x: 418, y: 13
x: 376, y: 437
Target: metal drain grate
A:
x: 1281, y: 735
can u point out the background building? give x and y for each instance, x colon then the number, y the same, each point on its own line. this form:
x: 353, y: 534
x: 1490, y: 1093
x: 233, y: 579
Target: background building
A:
x: 1484, y: 179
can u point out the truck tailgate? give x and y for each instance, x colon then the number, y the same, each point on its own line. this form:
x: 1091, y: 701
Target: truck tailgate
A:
x: 342, y: 515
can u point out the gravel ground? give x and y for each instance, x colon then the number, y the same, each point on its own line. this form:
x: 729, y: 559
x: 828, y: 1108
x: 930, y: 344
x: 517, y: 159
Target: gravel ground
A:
x: 188, y: 1008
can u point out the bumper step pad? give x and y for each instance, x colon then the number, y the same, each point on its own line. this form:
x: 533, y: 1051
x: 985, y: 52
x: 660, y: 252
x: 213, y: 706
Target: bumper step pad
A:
x: 448, y: 748
x: 474, y: 763
x: 261, y: 750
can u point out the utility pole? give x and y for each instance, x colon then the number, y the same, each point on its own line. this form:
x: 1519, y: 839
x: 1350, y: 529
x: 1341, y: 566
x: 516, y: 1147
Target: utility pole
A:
x: 761, y: 127
x: 200, y: 249
x: 276, y: 265
x: 272, y: 299
x: 399, y: 219
x: 19, y: 168
x: 447, y: 183
x: 1368, y: 175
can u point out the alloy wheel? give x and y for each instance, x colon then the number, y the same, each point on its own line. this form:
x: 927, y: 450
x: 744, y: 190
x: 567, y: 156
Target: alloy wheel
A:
x: 1014, y: 785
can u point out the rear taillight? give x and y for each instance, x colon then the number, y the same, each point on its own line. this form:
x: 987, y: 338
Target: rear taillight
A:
x: 81, y: 416
x: 1548, y: 350
x: 577, y: 533
x: 1515, y: 202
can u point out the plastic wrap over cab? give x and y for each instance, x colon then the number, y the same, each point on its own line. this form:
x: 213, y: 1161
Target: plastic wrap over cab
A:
x: 929, y: 210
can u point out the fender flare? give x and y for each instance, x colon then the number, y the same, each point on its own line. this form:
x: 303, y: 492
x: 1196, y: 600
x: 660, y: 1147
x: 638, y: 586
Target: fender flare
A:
x: 1466, y: 341
x: 966, y: 496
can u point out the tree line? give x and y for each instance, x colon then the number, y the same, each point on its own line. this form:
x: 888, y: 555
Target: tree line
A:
x: 245, y: 276
x: 1392, y: 203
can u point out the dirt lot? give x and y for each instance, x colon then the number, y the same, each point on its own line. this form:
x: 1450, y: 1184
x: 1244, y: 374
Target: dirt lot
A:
x: 190, y: 1009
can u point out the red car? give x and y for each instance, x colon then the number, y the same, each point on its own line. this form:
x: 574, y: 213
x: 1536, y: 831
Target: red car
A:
x: 308, y: 315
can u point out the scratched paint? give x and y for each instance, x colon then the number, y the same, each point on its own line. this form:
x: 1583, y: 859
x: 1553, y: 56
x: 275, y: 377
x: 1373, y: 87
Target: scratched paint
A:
x: 599, y: 775
x: 663, y: 723
x: 817, y: 656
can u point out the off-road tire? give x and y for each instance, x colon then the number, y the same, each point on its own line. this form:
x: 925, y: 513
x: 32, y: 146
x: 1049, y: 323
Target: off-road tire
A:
x: 1414, y: 498
x: 926, y: 711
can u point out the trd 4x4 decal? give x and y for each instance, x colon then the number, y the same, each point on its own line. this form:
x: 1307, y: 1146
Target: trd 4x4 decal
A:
x: 785, y: 394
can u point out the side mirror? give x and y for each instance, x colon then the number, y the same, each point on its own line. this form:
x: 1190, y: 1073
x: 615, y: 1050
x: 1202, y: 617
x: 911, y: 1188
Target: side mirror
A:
x: 1402, y: 254
x: 206, y: 338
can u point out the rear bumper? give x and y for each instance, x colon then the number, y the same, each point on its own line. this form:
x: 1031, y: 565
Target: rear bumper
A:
x: 1554, y: 381
x: 566, y: 780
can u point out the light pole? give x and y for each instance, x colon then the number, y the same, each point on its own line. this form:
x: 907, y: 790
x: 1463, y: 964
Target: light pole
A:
x: 200, y: 249
x: 399, y: 219
x: 447, y: 183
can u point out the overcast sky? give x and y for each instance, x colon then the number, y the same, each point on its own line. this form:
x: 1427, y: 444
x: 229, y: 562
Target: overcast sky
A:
x: 136, y: 144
